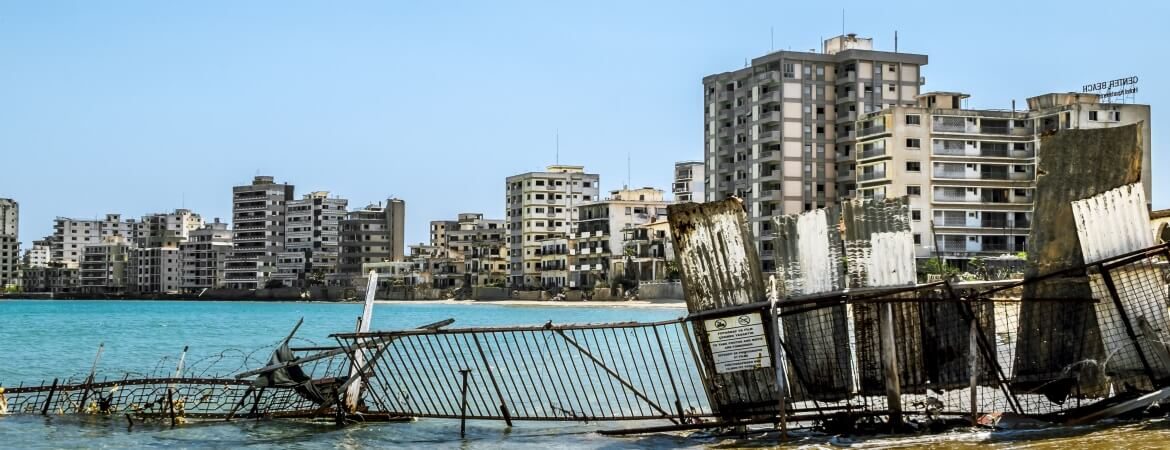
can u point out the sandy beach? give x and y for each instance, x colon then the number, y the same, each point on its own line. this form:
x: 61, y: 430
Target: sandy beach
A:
x: 606, y: 304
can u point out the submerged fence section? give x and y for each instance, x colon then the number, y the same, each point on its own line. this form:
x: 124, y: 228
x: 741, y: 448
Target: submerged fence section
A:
x: 555, y: 372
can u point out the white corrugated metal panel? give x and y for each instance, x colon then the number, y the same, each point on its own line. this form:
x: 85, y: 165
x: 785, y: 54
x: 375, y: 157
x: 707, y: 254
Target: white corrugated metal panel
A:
x: 891, y: 259
x: 1113, y: 223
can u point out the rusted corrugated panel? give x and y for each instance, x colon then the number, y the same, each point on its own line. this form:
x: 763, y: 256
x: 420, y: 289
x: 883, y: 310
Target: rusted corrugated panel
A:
x: 720, y: 269
x: 1055, y: 337
x: 1111, y: 224
x: 862, y: 219
x: 808, y: 252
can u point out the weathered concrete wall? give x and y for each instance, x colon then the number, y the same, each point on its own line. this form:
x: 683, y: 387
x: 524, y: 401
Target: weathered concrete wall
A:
x: 527, y: 295
x: 490, y: 293
x: 1073, y: 165
x: 660, y: 291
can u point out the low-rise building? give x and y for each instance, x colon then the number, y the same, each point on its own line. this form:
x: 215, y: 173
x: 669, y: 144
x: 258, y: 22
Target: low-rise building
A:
x: 54, y: 279
x: 38, y: 255
x: 648, y: 252
x: 599, y: 239
x: 481, y: 245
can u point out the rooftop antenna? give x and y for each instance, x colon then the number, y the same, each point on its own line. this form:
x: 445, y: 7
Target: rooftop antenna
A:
x: 842, y: 21
x: 558, y: 146
x: 627, y: 170
x: 771, y: 39
x: 895, y: 41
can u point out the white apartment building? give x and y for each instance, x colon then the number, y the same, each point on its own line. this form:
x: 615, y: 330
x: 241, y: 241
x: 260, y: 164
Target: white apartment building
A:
x: 688, y: 182
x: 258, y: 226
x: 599, y: 241
x: 166, y: 229
x: 154, y: 269
x: 9, y: 243
x: 539, y: 206
x: 71, y: 236
x: 780, y: 133
x: 203, y: 256
x: 970, y: 174
x: 38, y: 255
x: 312, y: 239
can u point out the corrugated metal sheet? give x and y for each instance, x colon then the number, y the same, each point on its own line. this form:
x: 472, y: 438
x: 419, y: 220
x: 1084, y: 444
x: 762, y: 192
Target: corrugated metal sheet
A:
x: 1113, y: 223
x: 861, y: 221
x: 808, y: 252
x: 1110, y: 224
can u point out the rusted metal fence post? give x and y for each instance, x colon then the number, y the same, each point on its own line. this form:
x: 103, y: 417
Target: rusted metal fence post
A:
x: 889, y: 353
x: 492, y: 377
x: 973, y: 361
x: 49, y: 398
x: 463, y: 406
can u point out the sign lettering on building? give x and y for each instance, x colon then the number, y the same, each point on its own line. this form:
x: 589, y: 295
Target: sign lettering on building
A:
x: 1120, y: 87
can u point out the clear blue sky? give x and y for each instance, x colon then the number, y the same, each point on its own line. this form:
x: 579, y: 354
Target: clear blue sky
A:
x: 139, y: 107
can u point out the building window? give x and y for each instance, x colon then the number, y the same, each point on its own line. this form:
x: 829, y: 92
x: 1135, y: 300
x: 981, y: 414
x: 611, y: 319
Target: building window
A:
x: 890, y: 88
x: 917, y: 239
x: 916, y: 215
x: 893, y: 68
x: 913, y: 143
x: 913, y: 119
x: 820, y: 71
x: 914, y: 191
x: 1092, y: 115
x: 1021, y: 169
x: 913, y: 166
x: 789, y: 70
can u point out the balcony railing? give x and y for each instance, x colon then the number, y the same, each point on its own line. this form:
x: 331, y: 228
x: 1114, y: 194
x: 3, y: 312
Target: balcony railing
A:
x: 875, y: 175
x: 873, y: 152
x: 995, y: 129
x: 872, y: 130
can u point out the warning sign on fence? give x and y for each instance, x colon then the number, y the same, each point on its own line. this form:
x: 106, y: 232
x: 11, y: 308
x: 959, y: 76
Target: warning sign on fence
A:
x: 738, y: 342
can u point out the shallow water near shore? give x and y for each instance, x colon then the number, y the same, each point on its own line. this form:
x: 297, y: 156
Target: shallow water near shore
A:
x: 44, y: 339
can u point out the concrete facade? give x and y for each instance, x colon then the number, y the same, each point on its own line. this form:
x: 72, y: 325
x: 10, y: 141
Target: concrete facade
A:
x: 258, y: 225
x: 599, y: 242
x: 71, y: 236
x: 38, y: 255
x: 203, y: 256
x: 780, y: 134
x: 105, y: 267
x: 539, y: 206
x: 481, y: 244
x: 9, y: 243
x: 371, y: 235
x: 689, y: 179
x: 312, y: 239
x: 154, y: 269
x: 971, y: 174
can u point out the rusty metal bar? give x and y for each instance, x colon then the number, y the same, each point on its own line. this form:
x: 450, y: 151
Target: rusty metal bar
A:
x: 49, y: 399
x: 1133, y: 338
x: 669, y: 374
x: 492, y: 377
x: 463, y: 407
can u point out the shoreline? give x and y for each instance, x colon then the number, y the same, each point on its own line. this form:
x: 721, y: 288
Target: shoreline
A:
x: 665, y: 303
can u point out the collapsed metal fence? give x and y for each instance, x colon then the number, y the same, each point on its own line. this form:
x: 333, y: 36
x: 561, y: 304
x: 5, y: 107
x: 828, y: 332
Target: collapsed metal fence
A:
x: 624, y: 371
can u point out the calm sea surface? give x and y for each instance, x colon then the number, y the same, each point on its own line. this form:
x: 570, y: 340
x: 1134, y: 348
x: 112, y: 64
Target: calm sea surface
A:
x: 40, y: 340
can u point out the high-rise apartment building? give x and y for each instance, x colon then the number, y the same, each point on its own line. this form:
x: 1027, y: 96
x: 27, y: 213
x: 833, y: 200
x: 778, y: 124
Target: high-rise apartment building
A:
x: 71, y: 236
x: 203, y: 256
x: 9, y: 242
x: 780, y: 133
x: 373, y: 234
x: 312, y: 239
x: 970, y: 174
x: 258, y: 225
x: 542, y: 205
x: 688, y: 182
x: 599, y: 241
x: 439, y: 237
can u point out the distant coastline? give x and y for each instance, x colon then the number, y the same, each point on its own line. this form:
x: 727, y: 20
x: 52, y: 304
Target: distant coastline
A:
x: 655, y: 303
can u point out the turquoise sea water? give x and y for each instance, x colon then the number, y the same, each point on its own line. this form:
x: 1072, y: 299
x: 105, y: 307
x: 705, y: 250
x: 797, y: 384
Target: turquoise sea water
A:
x: 43, y: 339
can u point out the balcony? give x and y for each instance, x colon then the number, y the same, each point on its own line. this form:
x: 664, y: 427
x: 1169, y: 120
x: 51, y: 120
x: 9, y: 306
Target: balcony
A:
x: 870, y: 176
x: 767, y: 136
x: 770, y: 96
x: 770, y: 116
x: 849, y: 97
x: 870, y: 131
x: 873, y: 152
